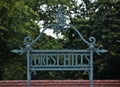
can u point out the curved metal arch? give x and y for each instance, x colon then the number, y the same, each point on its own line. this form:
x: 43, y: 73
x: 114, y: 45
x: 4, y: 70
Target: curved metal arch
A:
x: 38, y: 37
x: 92, y: 40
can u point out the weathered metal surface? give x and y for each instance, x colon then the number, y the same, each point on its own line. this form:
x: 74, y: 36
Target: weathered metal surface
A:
x: 58, y: 60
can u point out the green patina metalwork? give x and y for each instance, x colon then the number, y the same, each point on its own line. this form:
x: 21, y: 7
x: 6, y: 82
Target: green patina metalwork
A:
x: 59, y: 60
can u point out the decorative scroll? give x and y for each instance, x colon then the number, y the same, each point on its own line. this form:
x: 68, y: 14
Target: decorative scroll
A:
x: 61, y: 25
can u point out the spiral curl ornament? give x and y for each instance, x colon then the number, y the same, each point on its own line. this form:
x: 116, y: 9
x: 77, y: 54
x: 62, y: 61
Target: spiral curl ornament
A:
x: 28, y: 43
x: 92, y: 40
x: 33, y: 72
x: 27, y: 39
x: 86, y: 72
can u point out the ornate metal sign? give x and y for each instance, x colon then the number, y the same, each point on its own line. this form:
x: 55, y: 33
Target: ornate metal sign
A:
x: 58, y: 60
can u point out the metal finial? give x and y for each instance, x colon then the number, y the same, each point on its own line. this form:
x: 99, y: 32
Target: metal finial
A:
x: 60, y: 16
x: 60, y: 22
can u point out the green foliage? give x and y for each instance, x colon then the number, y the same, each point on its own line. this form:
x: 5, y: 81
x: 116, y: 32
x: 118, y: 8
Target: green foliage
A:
x: 13, y: 69
x: 101, y: 20
x: 106, y: 27
x: 16, y: 22
x: 19, y: 18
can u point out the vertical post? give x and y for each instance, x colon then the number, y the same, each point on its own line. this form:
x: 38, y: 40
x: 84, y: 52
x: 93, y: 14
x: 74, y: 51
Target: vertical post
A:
x: 28, y: 67
x: 91, y: 69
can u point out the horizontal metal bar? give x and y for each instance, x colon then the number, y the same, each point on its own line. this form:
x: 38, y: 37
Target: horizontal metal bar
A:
x: 60, y: 66
x: 59, y: 54
x: 57, y: 51
x: 60, y: 51
x: 68, y: 51
x: 59, y: 69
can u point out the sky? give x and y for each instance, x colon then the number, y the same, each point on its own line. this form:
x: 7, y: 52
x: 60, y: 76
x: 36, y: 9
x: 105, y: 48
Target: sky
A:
x: 49, y: 32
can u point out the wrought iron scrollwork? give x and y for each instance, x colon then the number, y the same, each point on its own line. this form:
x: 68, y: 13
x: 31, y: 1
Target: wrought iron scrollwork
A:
x: 28, y: 42
x: 33, y: 72
x: 59, y: 59
x: 92, y: 40
x: 60, y: 25
x: 86, y: 72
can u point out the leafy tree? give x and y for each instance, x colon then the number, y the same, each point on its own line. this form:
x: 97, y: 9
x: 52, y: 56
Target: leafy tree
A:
x: 18, y: 20
x: 105, y: 23
x: 99, y: 19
